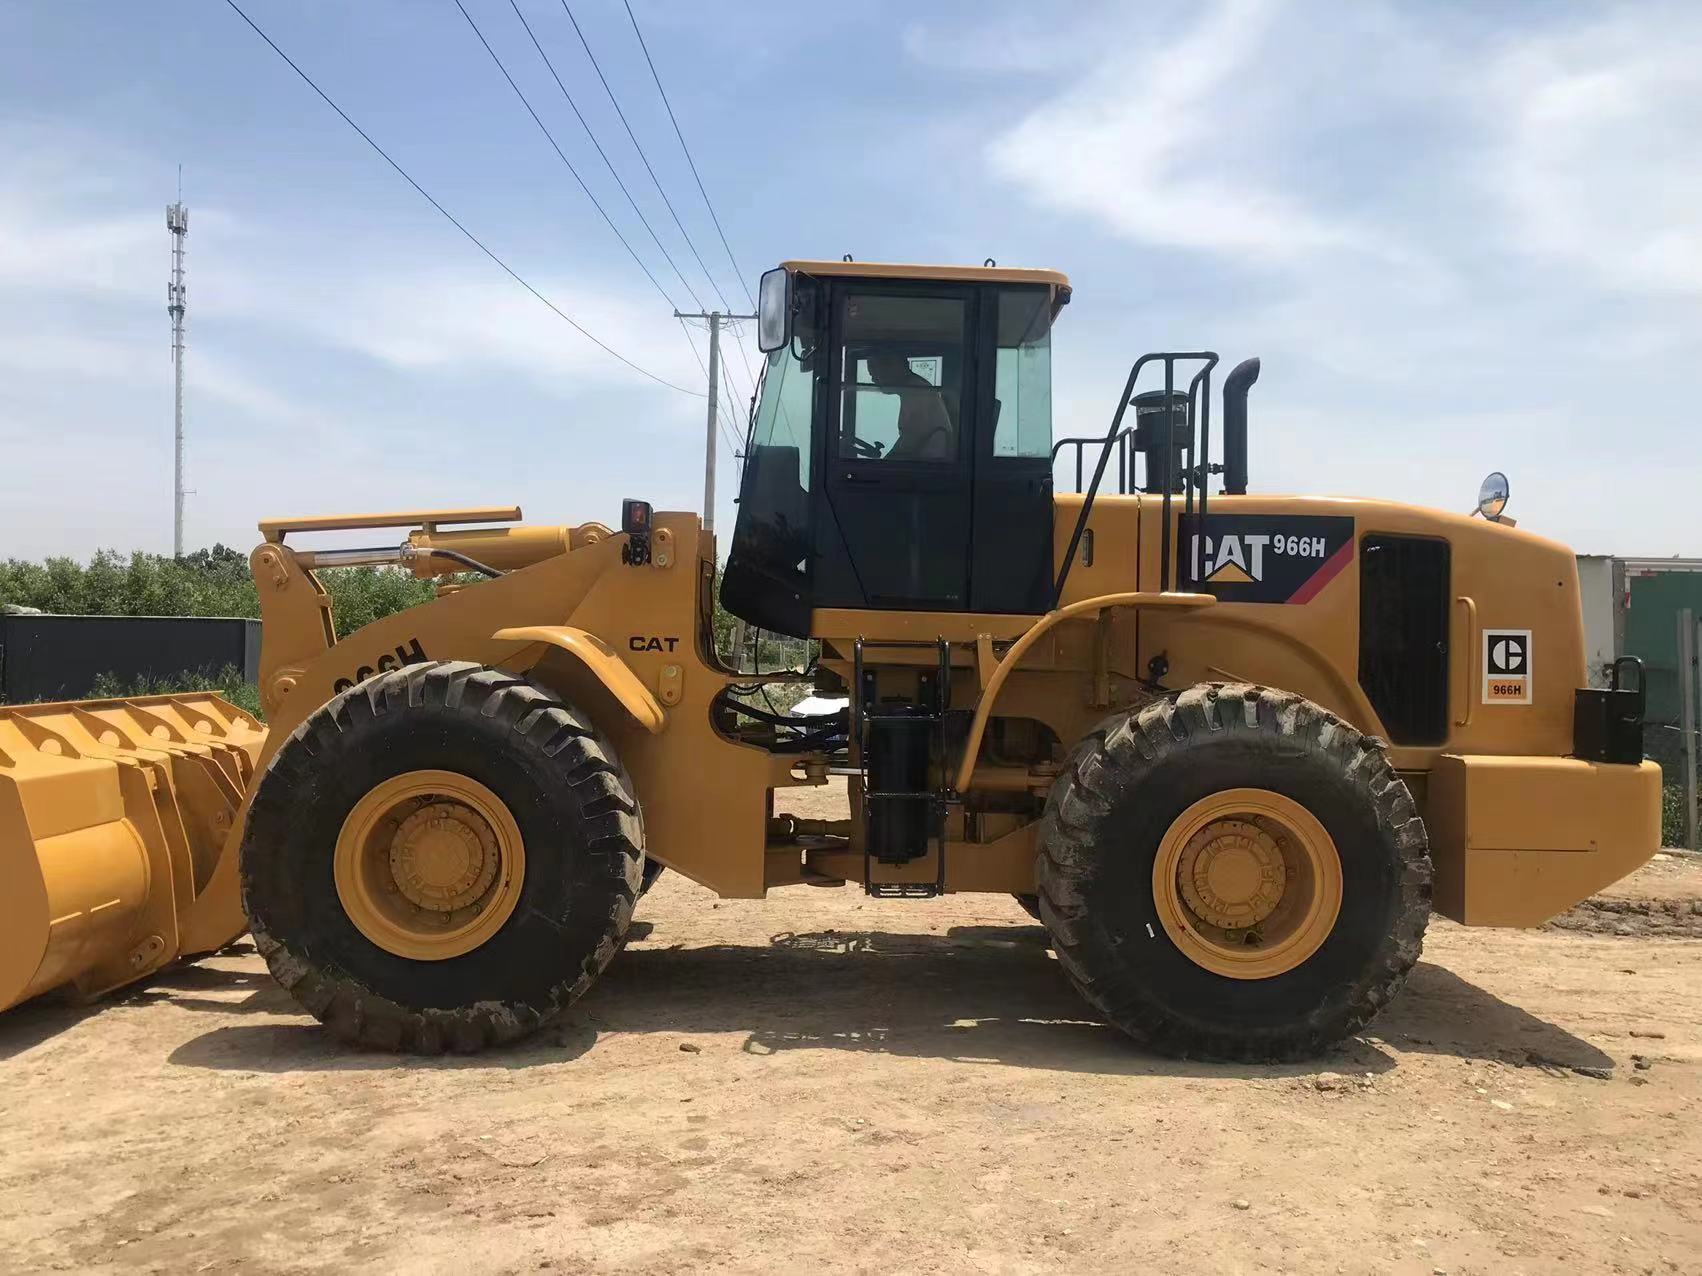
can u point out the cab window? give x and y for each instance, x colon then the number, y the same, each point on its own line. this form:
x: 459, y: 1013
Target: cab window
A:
x: 901, y: 377
x: 1022, y: 388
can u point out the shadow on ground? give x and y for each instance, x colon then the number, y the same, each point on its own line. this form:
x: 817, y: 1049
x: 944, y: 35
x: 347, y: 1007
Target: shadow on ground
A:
x: 977, y: 994
x: 190, y: 986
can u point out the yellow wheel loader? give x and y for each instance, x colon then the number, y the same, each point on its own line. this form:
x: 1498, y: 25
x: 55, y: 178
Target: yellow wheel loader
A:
x: 1229, y: 748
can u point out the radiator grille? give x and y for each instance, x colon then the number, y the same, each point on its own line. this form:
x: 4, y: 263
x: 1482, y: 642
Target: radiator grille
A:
x: 1403, y: 635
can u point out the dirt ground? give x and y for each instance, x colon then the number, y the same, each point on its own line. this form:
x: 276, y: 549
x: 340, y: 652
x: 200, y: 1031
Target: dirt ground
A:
x: 827, y: 1082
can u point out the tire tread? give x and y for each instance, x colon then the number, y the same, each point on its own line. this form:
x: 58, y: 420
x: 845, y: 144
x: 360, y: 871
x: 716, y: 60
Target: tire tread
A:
x: 1111, y: 758
x: 614, y: 835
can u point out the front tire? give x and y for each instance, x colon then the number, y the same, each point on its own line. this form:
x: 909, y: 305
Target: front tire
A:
x: 441, y: 858
x: 1234, y: 873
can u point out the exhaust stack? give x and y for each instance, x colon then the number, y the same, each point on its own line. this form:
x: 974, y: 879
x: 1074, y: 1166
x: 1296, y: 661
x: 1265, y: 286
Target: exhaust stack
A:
x: 1235, y: 387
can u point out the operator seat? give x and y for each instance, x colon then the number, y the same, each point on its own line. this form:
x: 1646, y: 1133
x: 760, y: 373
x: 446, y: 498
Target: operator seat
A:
x: 927, y: 423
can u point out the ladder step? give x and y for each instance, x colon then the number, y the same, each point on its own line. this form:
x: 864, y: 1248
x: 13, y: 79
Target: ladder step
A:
x: 904, y: 890
x: 933, y: 718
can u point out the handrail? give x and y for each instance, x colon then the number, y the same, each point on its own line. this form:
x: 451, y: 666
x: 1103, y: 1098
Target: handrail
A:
x: 1019, y: 648
x: 274, y: 529
x: 1169, y: 359
x: 1202, y: 435
x: 1471, y: 660
x: 1081, y: 441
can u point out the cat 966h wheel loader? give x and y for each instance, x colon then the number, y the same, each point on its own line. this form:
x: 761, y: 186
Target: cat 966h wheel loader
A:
x: 1230, y: 748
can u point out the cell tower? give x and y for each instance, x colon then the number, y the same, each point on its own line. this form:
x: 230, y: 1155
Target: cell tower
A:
x: 176, y: 303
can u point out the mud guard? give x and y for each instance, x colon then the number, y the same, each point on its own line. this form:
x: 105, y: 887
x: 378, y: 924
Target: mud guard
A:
x: 600, y: 661
x: 994, y: 680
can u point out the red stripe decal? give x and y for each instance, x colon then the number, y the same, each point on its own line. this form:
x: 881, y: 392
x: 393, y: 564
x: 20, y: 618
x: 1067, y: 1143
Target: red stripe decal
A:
x: 1327, y: 571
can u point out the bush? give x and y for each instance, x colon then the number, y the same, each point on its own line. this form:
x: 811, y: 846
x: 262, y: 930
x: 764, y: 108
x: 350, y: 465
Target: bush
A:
x: 209, y: 582
x: 1673, y: 830
x: 361, y: 595
x: 217, y: 582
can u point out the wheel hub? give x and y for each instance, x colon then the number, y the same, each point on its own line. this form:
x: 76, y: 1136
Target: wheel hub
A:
x: 1231, y: 874
x: 443, y: 857
x: 429, y: 864
x: 1247, y: 883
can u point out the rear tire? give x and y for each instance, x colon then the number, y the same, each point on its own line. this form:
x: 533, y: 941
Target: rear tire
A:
x: 1113, y: 816
x: 579, y: 872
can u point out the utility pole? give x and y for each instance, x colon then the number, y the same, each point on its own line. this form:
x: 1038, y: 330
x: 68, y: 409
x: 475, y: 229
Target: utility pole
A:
x: 176, y: 302
x: 716, y: 319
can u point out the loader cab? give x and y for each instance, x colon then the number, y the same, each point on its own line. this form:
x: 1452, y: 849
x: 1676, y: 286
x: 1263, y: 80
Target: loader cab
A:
x: 899, y: 454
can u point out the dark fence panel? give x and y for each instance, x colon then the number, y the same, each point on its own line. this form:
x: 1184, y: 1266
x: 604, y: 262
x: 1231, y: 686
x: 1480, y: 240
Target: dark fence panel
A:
x: 59, y: 657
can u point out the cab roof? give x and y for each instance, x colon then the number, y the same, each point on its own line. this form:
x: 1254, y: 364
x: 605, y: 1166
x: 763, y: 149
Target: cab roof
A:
x: 954, y: 274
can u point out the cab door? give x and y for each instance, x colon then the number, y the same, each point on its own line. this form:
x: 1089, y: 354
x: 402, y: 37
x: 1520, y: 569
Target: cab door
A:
x: 897, y: 465
x: 1011, y: 555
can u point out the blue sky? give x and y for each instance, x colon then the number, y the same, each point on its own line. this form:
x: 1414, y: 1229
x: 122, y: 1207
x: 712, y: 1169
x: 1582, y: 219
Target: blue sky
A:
x: 1462, y: 237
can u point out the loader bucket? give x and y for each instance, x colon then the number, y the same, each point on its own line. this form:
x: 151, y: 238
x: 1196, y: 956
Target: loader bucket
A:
x: 114, y: 815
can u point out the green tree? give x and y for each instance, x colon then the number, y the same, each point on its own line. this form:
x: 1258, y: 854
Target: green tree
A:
x: 208, y: 582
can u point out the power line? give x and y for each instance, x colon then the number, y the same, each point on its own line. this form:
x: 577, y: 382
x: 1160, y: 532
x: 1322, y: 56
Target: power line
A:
x: 732, y: 446
x: 739, y: 274
x: 738, y: 402
x: 726, y: 437
x: 728, y: 324
x: 600, y: 151
x: 737, y: 330
x: 452, y: 219
x: 562, y: 155
x: 740, y: 423
x: 714, y: 424
x: 744, y: 358
x: 637, y: 146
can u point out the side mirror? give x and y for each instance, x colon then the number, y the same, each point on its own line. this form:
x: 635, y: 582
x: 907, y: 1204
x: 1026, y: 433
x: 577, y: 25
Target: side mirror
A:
x: 774, y: 310
x: 1492, y: 496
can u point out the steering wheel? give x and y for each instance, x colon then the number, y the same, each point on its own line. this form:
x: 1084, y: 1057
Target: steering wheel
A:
x: 864, y: 448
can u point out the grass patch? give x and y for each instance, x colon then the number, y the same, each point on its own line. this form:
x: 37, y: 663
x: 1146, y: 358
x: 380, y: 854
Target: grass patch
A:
x: 228, y: 682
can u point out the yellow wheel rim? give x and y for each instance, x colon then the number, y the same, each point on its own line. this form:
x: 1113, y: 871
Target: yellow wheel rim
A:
x: 1248, y: 883
x: 429, y: 865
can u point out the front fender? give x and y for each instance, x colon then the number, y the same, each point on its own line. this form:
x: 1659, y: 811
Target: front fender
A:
x: 598, y: 659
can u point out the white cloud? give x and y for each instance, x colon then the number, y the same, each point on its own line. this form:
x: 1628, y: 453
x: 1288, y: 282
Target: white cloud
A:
x: 323, y: 372
x: 96, y: 255
x: 1030, y: 40
x: 64, y: 236
x: 1463, y: 239
x: 1597, y: 157
x: 1358, y: 141
x: 1150, y: 145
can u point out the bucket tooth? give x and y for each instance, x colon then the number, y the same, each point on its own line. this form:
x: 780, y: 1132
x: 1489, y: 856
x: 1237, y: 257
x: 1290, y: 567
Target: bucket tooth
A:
x: 114, y: 815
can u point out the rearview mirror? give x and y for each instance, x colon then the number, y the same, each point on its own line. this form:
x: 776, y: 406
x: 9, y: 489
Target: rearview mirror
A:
x: 774, y: 310
x: 1492, y: 495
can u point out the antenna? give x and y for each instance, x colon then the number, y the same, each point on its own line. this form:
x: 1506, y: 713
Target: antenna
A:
x: 176, y: 304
